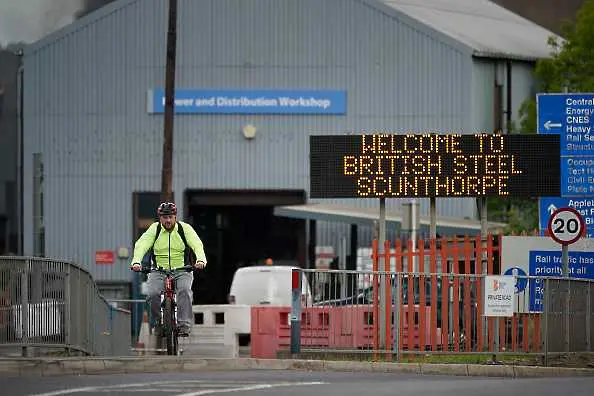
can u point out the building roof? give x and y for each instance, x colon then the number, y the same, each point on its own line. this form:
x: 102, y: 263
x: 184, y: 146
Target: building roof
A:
x: 489, y: 29
x: 367, y: 216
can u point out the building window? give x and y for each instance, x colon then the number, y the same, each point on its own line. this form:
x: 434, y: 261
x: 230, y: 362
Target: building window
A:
x: 1, y: 100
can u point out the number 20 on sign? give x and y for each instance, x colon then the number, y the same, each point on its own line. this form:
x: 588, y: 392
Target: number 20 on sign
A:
x: 566, y: 226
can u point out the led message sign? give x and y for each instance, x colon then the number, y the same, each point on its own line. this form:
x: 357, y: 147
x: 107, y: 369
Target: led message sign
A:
x: 434, y: 165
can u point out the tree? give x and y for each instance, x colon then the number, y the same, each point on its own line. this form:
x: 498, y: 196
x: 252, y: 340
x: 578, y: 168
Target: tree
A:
x: 571, y: 67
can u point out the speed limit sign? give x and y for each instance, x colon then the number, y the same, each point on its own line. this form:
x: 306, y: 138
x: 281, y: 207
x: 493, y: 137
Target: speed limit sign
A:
x: 566, y: 226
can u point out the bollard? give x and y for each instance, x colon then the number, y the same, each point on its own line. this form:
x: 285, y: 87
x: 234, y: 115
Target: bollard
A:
x: 295, y: 311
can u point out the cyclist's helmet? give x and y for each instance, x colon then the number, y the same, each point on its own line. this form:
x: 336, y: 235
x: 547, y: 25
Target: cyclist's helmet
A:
x: 167, y: 208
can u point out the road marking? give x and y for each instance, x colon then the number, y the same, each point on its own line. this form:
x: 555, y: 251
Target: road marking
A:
x: 249, y: 388
x: 246, y: 387
x: 140, y: 384
x: 66, y: 391
x: 164, y: 390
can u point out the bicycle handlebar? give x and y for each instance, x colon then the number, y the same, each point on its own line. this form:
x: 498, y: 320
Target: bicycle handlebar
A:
x: 187, y: 268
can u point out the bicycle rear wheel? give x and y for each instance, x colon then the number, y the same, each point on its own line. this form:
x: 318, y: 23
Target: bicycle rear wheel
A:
x: 170, y: 327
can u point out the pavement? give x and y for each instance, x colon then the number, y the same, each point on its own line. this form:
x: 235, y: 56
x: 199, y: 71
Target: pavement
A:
x: 289, y: 383
x: 32, y: 367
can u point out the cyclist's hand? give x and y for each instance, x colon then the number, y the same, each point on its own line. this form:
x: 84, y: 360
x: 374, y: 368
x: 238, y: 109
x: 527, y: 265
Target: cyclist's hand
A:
x: 200, y: 264
x: 135, y: 267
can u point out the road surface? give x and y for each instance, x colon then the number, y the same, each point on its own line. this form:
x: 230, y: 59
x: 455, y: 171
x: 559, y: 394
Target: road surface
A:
x: 289, y: 383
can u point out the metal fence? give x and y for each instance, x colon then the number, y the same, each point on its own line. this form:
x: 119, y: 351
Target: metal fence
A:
x: 49, y: 304
x: 568, y: 315
x: 439, y: 313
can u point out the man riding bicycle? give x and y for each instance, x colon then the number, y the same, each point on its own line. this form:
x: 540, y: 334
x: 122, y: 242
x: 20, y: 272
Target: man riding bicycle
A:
x: 169, y: 252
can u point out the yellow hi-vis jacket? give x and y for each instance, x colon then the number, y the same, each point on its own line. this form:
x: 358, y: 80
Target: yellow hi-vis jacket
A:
x: 169, y: 244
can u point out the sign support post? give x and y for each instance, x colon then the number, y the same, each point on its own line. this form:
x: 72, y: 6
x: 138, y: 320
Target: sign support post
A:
x: 433, y: 217
x: 565, y: 259
x: 414, y: 218
x: 383, y: 266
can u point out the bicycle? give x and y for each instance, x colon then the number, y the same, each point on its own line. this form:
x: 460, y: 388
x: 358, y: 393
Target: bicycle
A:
x: 168, y: 310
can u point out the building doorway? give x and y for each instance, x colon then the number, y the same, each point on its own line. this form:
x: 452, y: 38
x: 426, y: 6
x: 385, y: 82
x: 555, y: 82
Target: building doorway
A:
x: 239, y: 228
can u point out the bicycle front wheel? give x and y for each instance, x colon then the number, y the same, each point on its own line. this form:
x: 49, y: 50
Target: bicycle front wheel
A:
x: 169, y: 327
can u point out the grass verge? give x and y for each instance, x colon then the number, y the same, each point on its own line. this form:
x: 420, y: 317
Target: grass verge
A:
x: 582, y: 360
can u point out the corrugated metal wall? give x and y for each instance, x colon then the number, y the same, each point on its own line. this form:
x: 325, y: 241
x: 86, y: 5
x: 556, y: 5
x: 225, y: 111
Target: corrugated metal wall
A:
x: 86, y: 104
x: 523, y: 86
x: 483, y: 75
x: 488, y: 71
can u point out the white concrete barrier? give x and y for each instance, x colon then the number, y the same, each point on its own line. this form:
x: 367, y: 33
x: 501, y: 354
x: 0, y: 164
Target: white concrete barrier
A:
x: 236, y: 318
x: 214, y: 333
x: 215, y: 330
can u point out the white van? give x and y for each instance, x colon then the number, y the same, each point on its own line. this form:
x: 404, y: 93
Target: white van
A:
x: 266, y: 285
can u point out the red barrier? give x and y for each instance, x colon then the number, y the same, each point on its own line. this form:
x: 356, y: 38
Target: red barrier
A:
x: 265, y: 329
x: 271, y: 329
x: 336, y: 328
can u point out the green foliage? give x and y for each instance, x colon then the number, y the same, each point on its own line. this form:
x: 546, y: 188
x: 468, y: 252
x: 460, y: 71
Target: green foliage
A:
x: 571, y: 65
x: 571, y: 68
x: 520, y: 214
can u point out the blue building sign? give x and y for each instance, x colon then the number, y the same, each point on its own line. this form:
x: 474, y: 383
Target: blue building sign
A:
x: 547, y: 263
x: 207, y: 101
x: 572, y: 117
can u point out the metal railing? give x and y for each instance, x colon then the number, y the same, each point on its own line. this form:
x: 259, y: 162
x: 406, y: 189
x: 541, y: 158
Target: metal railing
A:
x: 440, y: 313
x: 48, y: 304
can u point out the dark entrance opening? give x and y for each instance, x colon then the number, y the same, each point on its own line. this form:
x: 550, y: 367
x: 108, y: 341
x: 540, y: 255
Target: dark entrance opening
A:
x: 238, y: 228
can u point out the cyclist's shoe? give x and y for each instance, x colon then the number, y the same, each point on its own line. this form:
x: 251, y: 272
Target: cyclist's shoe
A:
x: 184, y: 331
x: 158, y: 330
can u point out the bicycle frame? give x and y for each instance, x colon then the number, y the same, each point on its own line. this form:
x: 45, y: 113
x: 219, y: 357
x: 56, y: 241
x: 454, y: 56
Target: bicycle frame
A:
x: 168, y: 307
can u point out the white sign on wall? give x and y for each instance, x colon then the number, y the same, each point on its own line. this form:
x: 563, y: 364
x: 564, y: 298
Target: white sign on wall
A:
x: 499, y: 295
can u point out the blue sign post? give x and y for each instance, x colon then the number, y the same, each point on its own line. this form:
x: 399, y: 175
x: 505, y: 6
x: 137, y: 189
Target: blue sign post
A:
x: 572, y: 117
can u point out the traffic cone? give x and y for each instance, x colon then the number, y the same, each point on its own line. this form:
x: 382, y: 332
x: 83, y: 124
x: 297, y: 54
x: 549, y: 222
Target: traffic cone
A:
x: 143, y: 335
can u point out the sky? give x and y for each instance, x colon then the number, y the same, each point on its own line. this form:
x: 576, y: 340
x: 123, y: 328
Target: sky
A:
x: 29, y: 20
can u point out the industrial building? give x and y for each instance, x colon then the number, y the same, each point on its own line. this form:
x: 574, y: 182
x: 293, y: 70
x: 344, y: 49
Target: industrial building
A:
x: 93, y: 119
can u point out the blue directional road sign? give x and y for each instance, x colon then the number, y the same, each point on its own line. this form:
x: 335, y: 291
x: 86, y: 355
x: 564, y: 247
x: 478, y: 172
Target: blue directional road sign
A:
x: 585, y: 206
x: 572, y: 117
